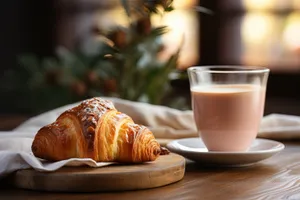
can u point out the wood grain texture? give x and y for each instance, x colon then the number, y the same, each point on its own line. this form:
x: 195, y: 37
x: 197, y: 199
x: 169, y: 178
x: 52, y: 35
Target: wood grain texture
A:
x: 165, y: 170
x: 275, y: 178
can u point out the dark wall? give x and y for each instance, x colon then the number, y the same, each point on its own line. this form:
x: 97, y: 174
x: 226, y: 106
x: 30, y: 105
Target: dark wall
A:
x: 26, y: 26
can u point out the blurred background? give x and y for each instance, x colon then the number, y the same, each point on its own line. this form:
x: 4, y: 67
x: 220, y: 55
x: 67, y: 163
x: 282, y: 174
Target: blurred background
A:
x: 57, y: 52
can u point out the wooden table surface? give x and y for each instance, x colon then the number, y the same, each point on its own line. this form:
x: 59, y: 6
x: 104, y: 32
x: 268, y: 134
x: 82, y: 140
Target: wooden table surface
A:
x: 275, y: 178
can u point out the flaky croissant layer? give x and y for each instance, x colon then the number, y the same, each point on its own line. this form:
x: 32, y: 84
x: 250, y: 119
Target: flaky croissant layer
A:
x: 95, y: 129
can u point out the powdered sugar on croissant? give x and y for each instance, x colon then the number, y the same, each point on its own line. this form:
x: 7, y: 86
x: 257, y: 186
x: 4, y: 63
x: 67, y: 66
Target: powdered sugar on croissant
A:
x: 95, y: 129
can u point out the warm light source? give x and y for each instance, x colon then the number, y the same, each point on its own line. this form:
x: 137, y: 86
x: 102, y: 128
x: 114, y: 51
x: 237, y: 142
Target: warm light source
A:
x: 115, y: 16
x: 183, y: 24
x: 296, y: 4
x: 291, y: 34
x: 259, y: 4
x: 259, y: 32
x: 184, y: 3
x: 257, y: 27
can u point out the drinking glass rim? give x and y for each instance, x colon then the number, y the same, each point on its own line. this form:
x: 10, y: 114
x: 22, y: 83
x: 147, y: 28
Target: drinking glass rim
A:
x: 236, y: 69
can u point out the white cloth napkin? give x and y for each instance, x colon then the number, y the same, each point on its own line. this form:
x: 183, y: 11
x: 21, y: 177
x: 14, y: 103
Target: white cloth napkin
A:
x: 166, y: 124
x: 280, y: 127
x: 15, y: 146
x: 15, y: 154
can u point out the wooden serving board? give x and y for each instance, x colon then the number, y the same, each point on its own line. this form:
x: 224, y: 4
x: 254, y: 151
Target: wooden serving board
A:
x: 165, y: 170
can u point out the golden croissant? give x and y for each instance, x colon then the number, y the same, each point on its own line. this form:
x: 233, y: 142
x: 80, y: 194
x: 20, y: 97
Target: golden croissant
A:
x: 95, y: 129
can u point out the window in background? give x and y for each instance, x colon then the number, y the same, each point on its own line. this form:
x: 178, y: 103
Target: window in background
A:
x: 262, y: 32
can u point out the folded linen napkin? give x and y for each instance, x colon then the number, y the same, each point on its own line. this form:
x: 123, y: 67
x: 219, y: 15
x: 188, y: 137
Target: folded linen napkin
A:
x: 280, y: 127
x: 15, y: 154
x: 163, y: 121
x: 166, y: 124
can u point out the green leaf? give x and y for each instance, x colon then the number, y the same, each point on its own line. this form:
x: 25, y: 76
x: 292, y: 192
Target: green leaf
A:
x: 158, y: 83
x: 36, y: 81
x: 71, y: 63
x: 169, y: 9
x: 50, y: 64
x: 103, y: 74
x: 30, y: 62
x: 159, y: 31
x: 153, y: 9
x: 149, y: 82
x: 95, y: 93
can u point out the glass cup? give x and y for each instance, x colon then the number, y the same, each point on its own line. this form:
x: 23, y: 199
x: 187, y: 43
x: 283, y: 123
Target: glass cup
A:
x: 228, y: 104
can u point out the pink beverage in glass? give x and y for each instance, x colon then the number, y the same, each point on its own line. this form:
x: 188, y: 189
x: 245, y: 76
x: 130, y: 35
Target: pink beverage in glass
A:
x: 228, y: 104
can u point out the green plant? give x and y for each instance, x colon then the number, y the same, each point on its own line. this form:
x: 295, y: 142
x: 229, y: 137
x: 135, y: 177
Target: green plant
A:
x: 124, y: 64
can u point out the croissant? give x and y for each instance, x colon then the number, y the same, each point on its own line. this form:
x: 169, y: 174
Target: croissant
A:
x: 95, y: 129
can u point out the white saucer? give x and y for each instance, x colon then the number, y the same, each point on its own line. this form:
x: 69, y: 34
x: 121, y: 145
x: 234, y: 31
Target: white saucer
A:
x: 194, y: 149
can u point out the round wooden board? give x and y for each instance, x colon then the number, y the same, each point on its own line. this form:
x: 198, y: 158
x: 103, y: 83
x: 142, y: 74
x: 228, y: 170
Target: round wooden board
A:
x: 165, y: 170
